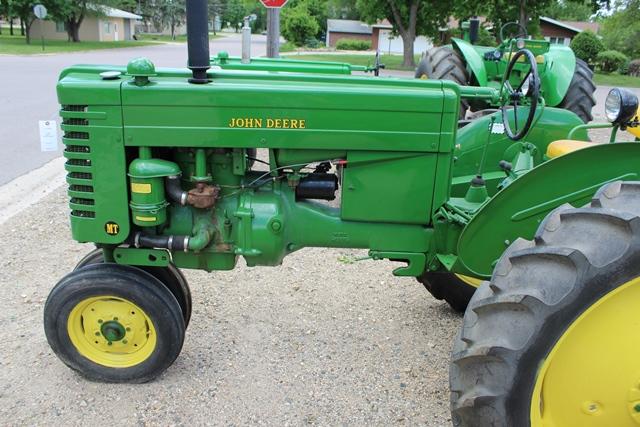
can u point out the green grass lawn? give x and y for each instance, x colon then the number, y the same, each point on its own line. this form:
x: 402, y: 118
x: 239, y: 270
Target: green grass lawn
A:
x: 392, y: 62
x: 615, y: 79
x: 16, y: 45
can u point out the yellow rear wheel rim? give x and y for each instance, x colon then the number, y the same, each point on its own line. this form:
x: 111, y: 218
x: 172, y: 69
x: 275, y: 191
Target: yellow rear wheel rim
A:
x: 592, y: 375
x: 471, y: 281
x: 111, y: 331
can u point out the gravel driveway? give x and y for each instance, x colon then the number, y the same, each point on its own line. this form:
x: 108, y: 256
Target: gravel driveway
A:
x: 315, y: 341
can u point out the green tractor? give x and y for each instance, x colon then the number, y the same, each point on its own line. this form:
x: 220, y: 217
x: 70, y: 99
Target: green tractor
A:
x: 566, y: 81
x: 161, y: 178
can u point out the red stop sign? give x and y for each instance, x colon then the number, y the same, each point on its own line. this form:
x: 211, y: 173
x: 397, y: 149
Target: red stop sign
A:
x: 275, y: 4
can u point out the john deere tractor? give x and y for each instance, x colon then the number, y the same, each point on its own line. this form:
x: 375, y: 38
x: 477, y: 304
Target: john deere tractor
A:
x: 565, y: 81
x: 160, y: 180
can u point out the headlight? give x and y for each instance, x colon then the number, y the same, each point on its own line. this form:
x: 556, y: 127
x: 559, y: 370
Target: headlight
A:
x: 620, y: 106
x: 520, y: 44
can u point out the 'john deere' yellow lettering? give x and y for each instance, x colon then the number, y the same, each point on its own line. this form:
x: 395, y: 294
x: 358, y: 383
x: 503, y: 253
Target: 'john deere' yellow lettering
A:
x: 269, y: 123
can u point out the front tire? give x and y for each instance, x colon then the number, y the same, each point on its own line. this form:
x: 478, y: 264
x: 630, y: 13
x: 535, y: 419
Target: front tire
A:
x: 114, y: 323
x: 553, y: 338
x: 170, y: 276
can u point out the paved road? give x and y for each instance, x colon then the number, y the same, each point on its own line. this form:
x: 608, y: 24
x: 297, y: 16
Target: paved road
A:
x: 28, y: 93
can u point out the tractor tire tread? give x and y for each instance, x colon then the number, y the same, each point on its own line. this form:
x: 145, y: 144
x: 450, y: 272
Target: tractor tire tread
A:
x: 580, y: 96
x: 507, y: 317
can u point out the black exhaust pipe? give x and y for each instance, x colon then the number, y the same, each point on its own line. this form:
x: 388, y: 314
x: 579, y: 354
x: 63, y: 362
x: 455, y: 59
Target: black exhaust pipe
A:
x: 474, y: 30
x: 198, y: 40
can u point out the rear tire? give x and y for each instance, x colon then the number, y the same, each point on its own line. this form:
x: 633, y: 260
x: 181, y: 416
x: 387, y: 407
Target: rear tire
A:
x: 579, y: 98
x: 455, y: 289
x: 537, y: 344
x: 443, y: 63
x: 170, y: 276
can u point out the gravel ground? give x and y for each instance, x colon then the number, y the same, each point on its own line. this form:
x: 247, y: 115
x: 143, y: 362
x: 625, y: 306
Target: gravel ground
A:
x: 315, y: 341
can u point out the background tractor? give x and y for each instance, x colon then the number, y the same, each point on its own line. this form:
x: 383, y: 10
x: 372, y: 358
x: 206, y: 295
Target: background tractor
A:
x: 162, y: 177
x: 566, y: 81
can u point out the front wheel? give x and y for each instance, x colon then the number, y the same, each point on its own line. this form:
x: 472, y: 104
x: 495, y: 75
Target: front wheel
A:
x: 553, y: 339
x: 170, y: 276
x: 114, y: 323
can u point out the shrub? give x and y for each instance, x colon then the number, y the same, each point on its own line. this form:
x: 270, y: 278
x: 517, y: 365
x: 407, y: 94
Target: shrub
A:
x: 353, y: 44
x: 587, y: 46
x: 485, y: 38
x: 287, y: 47
x: 634, y: 68
x: 313, y: 43
x: 298, y: 26
x: 610, y: 60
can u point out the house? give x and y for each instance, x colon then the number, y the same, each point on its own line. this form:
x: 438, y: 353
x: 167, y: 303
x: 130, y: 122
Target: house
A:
x: 108, y: 25
x: 383, y: 39
x: 346, y: 29
x: 380, y: 35
x: 562, y: 32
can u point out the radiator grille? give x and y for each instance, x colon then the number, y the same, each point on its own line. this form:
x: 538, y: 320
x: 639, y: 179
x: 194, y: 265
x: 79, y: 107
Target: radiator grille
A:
x: 78, y: 165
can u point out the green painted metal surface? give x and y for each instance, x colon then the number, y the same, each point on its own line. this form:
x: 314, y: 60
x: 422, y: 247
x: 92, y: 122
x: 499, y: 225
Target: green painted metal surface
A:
x: 394, y: 146
x: 474, y: 60
x: 96, y: 162
x: 226, y: 62
x: 517, y: 210
x: 556, y: 66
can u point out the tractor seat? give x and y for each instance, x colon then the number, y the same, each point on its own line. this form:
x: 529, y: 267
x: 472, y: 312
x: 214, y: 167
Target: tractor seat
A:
x: 565, y: 146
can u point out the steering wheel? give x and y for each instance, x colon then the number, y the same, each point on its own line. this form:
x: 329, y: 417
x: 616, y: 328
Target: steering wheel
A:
x: 526, y: 92
x: 522, y: 31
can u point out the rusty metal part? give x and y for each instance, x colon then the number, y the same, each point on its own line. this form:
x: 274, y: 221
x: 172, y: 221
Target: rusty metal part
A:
x: 203, y: 196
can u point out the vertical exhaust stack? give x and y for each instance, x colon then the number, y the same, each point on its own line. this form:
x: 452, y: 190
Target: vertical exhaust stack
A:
x: 198, y: 40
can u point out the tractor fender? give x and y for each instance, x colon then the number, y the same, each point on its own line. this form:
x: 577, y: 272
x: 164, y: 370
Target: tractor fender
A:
x: 474, y: 61
x: 560, y: 65
x: 517, y: 210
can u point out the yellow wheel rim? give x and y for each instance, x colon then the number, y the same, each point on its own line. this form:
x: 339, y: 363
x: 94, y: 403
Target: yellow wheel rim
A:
x: 424, y: 77
x: 592, y: 375
x: 471, y: 281
x: 111, y: 331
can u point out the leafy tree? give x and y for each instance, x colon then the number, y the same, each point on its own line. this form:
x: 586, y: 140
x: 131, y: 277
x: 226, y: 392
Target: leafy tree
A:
x: 587, y: 46
x: 172, y: 13
x: 234, y: 13
x: 569, y: 10
x: 24, y: 10
x: 621, y: 30
x: 298, y: 25
x: 499, y: 12
x: 409, y: 18
x: 342, y: 9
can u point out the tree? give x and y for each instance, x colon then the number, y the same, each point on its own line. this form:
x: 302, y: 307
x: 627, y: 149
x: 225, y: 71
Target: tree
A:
x: 499, y: 12
x: 298, y: 25
x: 24, y: 10
x: 569, y: 10
x: 172, y: 13
x: 409, y: 18
x: 621, y: 30
x: 587, y: 46
x: 234, y: 13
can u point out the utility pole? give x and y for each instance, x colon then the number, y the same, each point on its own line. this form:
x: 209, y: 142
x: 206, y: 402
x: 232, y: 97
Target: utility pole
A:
x: 273, y: 32
x: 273, y: 26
